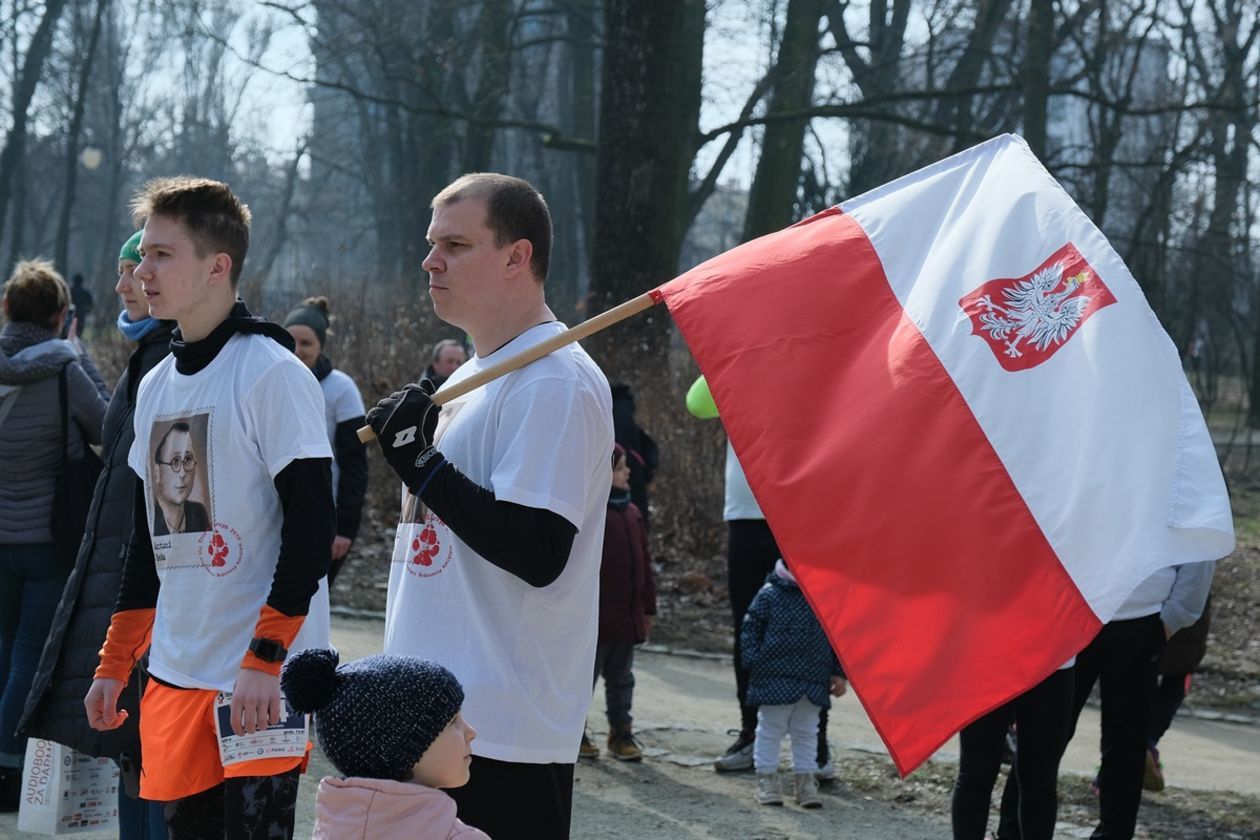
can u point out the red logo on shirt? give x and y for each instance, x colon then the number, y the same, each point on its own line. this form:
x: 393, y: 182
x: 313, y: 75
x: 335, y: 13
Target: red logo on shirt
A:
x: 425, y: 546
x: 220, y: 550
x: 1025, y: 320
x: 430, y: 548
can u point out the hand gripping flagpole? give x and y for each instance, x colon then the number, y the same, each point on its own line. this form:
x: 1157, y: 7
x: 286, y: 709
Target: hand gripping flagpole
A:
x: 587, y: 328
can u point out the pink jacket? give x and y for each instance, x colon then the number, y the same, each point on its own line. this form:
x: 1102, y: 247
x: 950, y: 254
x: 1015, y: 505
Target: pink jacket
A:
x: 378, y: 809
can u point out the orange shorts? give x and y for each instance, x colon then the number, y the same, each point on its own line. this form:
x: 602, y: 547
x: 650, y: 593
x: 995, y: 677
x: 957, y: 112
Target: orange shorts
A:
x: 179, y: 750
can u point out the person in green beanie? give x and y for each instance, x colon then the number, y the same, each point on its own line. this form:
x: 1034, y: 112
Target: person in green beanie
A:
x: 54, y: 707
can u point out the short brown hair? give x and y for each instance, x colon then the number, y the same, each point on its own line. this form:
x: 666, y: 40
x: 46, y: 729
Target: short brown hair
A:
x: 514, y: 210
x: 36, y: 293
x: 217, y: 221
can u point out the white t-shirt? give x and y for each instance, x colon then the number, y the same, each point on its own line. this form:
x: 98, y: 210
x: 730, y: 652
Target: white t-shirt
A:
x: 342, y: 402
x: 209, y: 446
x: 740, y: 503
x: 542, y: 437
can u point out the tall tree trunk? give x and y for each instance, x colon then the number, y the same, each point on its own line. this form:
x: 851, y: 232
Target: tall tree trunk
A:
x: 582, y: 26
x: 431, y: 140
x: 23, y: 92
x: 492, y: 32
x: 61, y: 251
x: 958, y: 110
x: 280, y: 233
x: 650, y: 97
x: 772, y: 198
x: 1037, y: 51
x: 17, y: 242
x: 876, y: 153
x: 116, y: 60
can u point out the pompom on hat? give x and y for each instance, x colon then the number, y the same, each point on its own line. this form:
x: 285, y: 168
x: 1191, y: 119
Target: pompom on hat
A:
x: 374, y: 717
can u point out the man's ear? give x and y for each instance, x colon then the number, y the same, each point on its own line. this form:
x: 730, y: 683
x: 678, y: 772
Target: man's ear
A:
x: 519, y: 256
x: 221, y: 269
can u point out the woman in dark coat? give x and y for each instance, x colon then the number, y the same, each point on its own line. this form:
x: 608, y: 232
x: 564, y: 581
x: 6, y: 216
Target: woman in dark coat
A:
x: 37, y: 367
x: 54, y: 708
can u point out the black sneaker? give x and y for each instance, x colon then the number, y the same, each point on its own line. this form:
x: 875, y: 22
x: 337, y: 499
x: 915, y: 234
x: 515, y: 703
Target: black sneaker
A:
x: 739, y: 756
x: 10, y: 789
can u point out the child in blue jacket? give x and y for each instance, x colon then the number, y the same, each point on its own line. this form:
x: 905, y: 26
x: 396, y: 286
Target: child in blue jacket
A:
x: 791, y: 670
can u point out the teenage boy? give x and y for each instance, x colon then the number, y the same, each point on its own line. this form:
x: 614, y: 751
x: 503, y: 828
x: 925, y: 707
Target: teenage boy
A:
x: 498, y: 577
x: 220, y: 598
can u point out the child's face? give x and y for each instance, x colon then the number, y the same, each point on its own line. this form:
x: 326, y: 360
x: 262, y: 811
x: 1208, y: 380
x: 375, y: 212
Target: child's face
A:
x: 445, y: 763
x: 621, y: 474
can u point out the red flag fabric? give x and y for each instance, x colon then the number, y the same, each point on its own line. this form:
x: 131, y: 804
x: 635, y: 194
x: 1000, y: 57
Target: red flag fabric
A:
x: 931, y: 391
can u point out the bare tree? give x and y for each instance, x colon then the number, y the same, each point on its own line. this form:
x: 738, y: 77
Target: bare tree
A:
x: 23, y: 92
x: 650, y: 106
x: 62, y: 247
x: 772, y: 198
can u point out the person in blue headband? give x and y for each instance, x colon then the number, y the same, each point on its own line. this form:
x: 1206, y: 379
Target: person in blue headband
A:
x: 79, y: 625
x: 134, y: 321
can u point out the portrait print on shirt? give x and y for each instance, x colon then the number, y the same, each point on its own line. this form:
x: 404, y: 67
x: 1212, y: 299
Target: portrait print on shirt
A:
x: 179, y: 472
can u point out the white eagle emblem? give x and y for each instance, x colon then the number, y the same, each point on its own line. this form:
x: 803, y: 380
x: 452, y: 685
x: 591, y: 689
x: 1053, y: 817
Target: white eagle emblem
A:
x: 1033, y: 312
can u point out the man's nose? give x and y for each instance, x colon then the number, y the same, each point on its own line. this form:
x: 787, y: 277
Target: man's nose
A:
x: 431, y: 262
x: 144, y: 269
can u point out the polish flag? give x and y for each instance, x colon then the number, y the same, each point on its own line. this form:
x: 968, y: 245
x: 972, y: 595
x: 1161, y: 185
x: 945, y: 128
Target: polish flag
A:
x: 967, y: 429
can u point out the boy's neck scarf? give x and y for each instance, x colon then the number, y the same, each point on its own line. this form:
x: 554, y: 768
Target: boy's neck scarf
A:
x: 193, y: 356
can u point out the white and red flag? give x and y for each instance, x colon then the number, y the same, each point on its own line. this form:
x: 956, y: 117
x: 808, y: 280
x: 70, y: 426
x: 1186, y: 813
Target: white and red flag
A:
x: 967, y: 429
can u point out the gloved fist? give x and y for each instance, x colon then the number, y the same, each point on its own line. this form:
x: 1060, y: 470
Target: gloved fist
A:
x: 405, y: 423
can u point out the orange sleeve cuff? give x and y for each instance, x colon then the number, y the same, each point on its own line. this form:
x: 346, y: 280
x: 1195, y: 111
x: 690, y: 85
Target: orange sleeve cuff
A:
x: 273, y: 624
x: 128, y: 637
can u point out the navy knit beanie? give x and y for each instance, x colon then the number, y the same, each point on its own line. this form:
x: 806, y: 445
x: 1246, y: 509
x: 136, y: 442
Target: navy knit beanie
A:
x: 376, y: 716
x: 313, y: 313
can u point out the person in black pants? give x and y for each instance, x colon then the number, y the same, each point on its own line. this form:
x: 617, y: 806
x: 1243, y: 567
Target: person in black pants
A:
x: 751, y: 553
x: 1181, y: 658
x: 1124, y: 660
x: 1042, y: 715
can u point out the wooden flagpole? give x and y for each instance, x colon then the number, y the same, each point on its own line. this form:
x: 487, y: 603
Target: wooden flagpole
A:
x: 587, y: 328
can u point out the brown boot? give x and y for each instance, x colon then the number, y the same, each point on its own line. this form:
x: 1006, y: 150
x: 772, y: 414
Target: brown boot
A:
x: 588, y: 748
x: 624, y: 746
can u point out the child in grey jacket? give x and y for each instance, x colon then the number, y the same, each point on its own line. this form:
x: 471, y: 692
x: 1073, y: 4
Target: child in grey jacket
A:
x: 792, y: 668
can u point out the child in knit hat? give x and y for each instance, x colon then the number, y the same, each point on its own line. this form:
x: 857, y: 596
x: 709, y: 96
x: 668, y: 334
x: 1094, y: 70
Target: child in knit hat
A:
x: 392, y: 726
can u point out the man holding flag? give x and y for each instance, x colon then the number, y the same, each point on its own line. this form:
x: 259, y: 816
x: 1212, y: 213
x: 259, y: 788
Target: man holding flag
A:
x: 496, y: 575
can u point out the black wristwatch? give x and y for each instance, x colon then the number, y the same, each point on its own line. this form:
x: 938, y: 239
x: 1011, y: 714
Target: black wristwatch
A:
x: 268, y: 650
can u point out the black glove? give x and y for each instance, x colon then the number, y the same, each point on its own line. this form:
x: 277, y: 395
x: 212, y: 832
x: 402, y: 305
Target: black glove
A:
x: 405, y: 423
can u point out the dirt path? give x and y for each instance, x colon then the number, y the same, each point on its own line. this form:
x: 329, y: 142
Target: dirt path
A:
x: 684, y: 704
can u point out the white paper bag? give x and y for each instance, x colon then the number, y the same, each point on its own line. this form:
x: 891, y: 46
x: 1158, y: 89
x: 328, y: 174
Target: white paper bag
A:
x: 66, y: 792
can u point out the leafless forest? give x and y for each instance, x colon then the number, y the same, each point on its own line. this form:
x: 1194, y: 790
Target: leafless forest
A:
x: 661, y: 132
